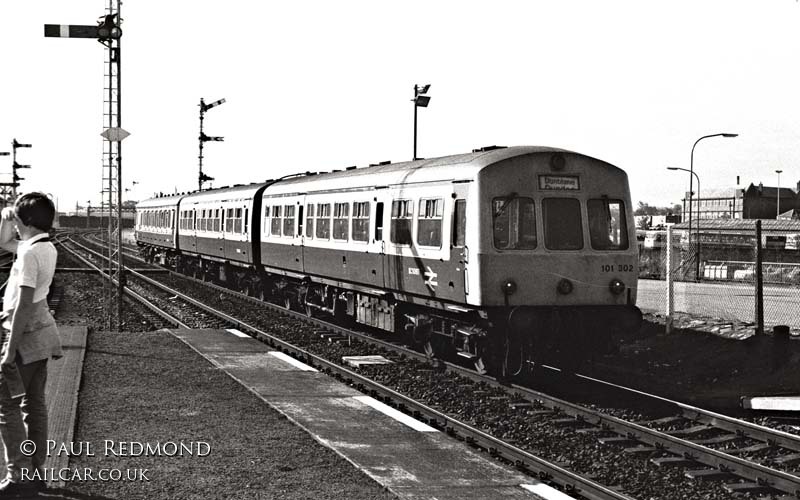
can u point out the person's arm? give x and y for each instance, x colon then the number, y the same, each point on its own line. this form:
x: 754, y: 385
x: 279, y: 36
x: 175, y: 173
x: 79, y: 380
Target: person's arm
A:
x: 8, y: 230
x: 22, y: 314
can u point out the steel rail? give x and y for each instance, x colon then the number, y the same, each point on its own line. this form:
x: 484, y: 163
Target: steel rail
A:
x: 149, y: 305
x: 545, y: 470
x: 724, y: 462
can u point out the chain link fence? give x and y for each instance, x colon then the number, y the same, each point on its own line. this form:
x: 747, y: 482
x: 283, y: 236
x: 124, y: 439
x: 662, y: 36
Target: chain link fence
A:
x: 722, y: 277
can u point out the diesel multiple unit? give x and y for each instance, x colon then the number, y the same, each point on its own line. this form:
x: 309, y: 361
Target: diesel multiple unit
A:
x: 502, y: 255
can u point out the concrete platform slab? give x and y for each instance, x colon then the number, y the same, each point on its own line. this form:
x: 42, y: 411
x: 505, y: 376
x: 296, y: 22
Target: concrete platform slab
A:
x: 407, y: 457
x: 61, y: 392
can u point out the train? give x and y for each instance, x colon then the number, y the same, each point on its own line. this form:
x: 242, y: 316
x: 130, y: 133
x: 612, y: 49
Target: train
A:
x: 502, y: 257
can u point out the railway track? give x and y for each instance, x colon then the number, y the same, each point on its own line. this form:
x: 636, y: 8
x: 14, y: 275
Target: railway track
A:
x: 738, y: 456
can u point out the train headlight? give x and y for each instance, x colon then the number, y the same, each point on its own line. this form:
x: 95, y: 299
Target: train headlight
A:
x: 509, y: 287
x: 564, y: 287
x: 616, y: 286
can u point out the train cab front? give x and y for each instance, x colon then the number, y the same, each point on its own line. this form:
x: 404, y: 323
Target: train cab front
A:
x: 559, y: 260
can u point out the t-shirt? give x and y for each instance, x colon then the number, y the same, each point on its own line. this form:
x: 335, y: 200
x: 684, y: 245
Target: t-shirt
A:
x: 34, y: 267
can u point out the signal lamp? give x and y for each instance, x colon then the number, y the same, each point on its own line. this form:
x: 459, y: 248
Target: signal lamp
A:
x: 108, y: 28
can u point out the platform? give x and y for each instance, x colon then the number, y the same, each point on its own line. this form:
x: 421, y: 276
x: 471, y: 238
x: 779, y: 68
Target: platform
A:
x: 406, y: 456
x: 63, y: 382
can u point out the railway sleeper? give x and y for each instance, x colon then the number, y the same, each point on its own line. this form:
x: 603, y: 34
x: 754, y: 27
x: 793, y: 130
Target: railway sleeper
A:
x: 709, y: 474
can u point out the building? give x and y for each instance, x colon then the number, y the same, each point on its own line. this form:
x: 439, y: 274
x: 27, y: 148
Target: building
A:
x: 754, y: 202
x: 761, y: 202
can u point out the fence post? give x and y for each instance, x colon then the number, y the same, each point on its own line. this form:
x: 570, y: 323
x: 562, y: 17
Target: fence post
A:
x: 670, y: 294
x: 759, y: 282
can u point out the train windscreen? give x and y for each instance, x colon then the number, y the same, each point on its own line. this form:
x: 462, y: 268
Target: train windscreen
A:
x: 562, y: 224
x: 607, y: 227
x: 514, y: 223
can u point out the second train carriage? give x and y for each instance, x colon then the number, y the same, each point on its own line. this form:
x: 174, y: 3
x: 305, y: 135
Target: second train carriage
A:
x: 520, y: 250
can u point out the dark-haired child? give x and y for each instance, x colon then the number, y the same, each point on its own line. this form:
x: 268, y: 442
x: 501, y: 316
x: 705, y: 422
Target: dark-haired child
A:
x: 31, y: 339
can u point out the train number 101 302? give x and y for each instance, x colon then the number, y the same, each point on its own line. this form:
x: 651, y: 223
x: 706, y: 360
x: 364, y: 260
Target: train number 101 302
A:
x: 620, y: 268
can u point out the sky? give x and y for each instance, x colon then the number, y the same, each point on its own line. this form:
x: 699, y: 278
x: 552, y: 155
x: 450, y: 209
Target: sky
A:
x: 320, y: 85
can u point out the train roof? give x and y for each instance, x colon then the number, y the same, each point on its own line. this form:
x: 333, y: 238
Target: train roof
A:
x: 160, y: 201
x: 445, y: 169
x: 221, y: 194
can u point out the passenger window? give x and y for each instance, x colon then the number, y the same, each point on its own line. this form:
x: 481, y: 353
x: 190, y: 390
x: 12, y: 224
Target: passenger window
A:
x: 288, y: 220
x: 607, y: 227
x: 514, y: 223
x: 323, y: 221
x: 310, y: 221
x: 341, y: 216
x: 429, y: 225
x: 275, y: 226
x: 266, y: 225
x: 459, y: 223
x: 361, y: 221
x: 400, y: 231
x: 562, y: 224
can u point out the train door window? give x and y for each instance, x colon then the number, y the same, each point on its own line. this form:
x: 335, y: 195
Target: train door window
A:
x: 379, y: 221
x: 275, y: 227
x: 400, y: 230
x: 514, y: 223
x: 323, y: 221
x: 361, y: 221
x: 562, y: 224
x: 237, y: 224
x: 228, y: 220
x: 341, y: 219
x: 310, y: 221
x: 246, y: 218
x: 266, y: 225
x: 221, y: 219
x: 216, y: 219
x: 288, y: 220
x: 300, y: 220
x: 429, y: 223
x: 607, y: 228
x: 202, y: 221
x: 460, y: 223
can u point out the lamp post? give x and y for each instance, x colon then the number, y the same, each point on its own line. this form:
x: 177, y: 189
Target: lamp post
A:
x: 420, y: 101
x: 691, y: 171
x: 697, y: 268
x: 779, y: 194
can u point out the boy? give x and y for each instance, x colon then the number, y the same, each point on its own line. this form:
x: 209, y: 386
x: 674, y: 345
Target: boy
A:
x: 31, y: 338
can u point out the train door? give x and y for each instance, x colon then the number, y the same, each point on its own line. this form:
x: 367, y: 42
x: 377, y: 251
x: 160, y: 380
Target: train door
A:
x: 378, y: 242
x: 301, y: 233
x: 399, y: 220
x: 459, y: 251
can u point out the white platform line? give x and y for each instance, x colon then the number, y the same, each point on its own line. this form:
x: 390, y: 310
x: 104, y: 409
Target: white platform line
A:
x: 237, y: 333
x: 297, y: 364
x: 546, y: 492
x: 396, y: 414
